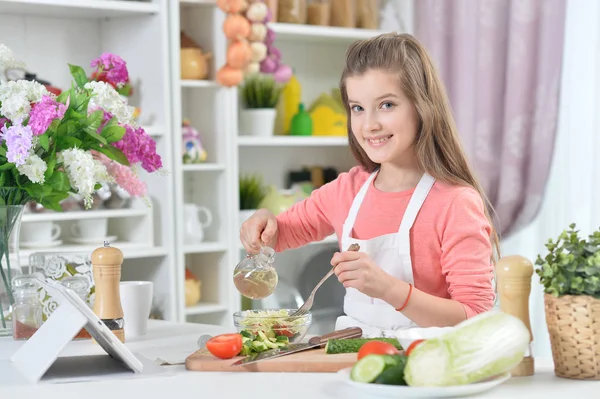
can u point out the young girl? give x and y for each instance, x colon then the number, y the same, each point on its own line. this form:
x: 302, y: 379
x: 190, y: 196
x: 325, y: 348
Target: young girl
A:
x: 413, y: 204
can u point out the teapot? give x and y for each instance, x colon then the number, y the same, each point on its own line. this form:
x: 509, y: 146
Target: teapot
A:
x: 194, y: 227
x: 194, y: 63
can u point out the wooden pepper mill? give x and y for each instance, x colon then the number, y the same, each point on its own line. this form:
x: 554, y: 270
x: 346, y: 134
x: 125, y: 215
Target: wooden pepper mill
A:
x: 106, y: 267
x: 514, y: 287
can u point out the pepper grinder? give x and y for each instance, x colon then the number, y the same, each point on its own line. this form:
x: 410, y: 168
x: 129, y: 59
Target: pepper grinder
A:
x: 106, y: 267
x: 514, y: 286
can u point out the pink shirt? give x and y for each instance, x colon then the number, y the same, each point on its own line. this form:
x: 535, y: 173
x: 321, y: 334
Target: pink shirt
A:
x: 450, y: 239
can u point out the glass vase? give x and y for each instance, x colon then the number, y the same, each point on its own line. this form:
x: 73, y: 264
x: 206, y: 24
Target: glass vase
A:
x: 10, y: 265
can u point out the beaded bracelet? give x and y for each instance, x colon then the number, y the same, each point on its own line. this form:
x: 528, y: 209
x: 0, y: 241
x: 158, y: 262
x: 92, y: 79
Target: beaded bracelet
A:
x: 410, y: 287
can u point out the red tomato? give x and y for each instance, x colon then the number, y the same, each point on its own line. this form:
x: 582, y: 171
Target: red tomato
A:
x: 412, y: 346
x: 377, y: 348
x: 281, y: 330
x: 225, y: 346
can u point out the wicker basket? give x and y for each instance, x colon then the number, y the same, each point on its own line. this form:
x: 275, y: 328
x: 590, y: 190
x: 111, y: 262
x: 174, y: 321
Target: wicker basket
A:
x: 574, y: 327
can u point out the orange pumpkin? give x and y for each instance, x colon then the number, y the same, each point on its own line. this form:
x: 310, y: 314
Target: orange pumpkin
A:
x: 236, y: 26
x: 229, y: 76
x: 238, y: 54
x: 232, y: 6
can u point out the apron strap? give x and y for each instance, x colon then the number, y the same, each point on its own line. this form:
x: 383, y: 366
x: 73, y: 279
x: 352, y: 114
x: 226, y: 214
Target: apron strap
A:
x: 351, y: 218
x: 412, y: 210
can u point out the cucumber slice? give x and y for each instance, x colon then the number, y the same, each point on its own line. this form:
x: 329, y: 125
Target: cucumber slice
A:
x: 368, y: 368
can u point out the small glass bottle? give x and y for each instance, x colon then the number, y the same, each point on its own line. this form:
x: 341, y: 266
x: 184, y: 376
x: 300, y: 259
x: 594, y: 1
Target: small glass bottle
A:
x: 27, y: 310
x: 81, y: 286
x: 255, y: 277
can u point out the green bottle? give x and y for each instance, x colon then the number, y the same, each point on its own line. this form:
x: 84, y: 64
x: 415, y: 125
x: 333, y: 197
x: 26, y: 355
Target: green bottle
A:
x: 301, y: 123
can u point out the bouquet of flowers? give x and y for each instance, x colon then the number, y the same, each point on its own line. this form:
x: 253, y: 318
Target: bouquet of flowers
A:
x: 53, y: 146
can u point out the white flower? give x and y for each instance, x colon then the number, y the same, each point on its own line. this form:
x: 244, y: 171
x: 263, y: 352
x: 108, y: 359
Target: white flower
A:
x: 83, y: 172
x: 34, y: 168
x: 16, y: 98
x: 106, y: 97
x: 55, y: 268
x: 7, y: 59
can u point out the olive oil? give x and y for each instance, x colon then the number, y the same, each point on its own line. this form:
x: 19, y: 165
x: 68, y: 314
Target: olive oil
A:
x: 255, y: 277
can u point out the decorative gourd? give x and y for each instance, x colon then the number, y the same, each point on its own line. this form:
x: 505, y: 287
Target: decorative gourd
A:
x: 229, y: 76
x: 257, y: 12
x: 258, y: 32
x: 232, y: 6
x: 236, y: 26
x: 259, y: 51
x: 239, y: 54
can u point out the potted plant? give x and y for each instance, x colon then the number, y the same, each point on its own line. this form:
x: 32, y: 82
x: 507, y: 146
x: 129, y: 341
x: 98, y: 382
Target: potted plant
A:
x: 259, y: 95
x: 570, y: 274
x: 53, y: 147
x: 252, y: 192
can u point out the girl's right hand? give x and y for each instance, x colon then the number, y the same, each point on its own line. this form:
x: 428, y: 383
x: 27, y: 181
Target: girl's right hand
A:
x: 259, y: 229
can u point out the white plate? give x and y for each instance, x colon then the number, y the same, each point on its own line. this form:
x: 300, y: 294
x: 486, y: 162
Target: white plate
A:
x: 93, y: 241
x: 40, y: 244
x: 403, y: 391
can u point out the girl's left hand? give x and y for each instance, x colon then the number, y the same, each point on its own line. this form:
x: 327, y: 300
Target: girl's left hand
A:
x: 357, y: 270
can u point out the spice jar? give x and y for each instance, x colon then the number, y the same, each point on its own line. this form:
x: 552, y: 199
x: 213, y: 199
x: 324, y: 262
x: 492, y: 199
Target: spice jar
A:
x: 81, y: 285
x: 255, y: 277
x: 367, y: 14
x: 318, y: 12
x: 27, y: 310
x: 343, y: 13
x: 291, y: 11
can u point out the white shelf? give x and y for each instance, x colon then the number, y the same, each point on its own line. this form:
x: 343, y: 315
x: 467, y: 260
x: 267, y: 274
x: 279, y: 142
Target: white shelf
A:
x: 77, y: 215
x: 205, y: 247
x: 199, y: 83
x: 195, y: 3
x: 130, y: 250
x: 322, y: 34
x: 93, y: 9
x: 292, y: 141
x: 154, y: 130
x: 205, y: 308
x: 203, y: 167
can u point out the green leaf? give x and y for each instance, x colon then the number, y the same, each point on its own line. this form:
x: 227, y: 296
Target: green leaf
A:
x: 97, y: 186
x: 78, y: 75
x: 94, y: 120
x: 2, y: 179
x: 95, y: 136
x: 44, y: 141
x: 53, y: 201
x: 68, y: 127
x: 65, y: 142
x: 59, y: 181
x: 38, y: 191
x: 113, y: 134
x: 6, y: 166
x: 63, y: 96
x: 51, y: 164
x: 2, y: 151
x: 113, y: 153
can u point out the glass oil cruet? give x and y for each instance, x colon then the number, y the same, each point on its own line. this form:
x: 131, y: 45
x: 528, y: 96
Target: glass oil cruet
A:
x: 27, y: 310
x: 255, y: 276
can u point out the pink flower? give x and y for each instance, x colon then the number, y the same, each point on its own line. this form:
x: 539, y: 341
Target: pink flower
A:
x: 124, y: 176
x: 113, y: 66
x: 138, y: 146
x: 43, y: 113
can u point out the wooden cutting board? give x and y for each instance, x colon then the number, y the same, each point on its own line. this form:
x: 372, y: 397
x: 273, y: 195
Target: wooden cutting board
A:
x: 308, y: 361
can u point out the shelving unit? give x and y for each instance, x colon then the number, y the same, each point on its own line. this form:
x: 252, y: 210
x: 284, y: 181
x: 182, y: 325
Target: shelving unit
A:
x: 316, y: 53
x: 49, y: 34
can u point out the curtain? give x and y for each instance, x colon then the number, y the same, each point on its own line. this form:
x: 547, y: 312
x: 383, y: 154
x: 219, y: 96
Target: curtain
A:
x: 501, y: 63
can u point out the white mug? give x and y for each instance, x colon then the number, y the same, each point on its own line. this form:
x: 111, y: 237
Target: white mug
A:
x: 90, y: 228
x: 39, y: 232
x: 136, y: 301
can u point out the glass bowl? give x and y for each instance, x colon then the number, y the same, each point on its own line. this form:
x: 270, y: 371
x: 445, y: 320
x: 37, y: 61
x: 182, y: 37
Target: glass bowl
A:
x: 273, y: 321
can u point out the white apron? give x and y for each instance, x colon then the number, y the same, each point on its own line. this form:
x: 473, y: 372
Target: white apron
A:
x: 391, y: 252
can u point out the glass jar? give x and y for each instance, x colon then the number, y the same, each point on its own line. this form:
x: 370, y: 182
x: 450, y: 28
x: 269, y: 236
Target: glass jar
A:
x: 318, y: 12
x: 27, y: 309
x: 255, y: 276
x: 291, y: 11
x: 81, y: 285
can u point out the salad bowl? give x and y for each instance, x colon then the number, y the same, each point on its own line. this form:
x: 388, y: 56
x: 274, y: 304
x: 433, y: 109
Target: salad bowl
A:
x: 273, y: 323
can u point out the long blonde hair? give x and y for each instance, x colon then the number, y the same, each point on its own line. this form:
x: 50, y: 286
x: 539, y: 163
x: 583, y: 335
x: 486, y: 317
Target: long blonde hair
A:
x: 437, y: 146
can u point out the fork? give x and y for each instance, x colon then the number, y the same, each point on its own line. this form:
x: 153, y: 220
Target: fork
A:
x: 303, y: 310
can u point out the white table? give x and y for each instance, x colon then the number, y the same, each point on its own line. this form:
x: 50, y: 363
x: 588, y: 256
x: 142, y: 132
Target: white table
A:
x: 173, y: 342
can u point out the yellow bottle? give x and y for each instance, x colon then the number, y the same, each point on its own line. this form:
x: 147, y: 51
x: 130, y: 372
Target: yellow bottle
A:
x: 291, y: 96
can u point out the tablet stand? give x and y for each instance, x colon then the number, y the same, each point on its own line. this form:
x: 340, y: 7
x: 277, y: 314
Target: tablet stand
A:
x: 38, y: 358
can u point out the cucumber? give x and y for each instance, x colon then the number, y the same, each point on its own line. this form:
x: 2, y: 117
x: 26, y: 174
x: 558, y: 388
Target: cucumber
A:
x: 368, y: 368
x: 352, y: 345
x: 394, y: 373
